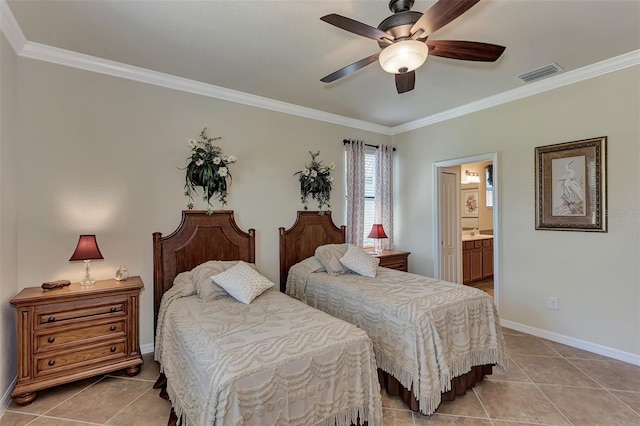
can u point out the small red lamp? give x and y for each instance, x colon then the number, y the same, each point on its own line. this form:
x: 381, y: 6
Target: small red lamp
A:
x: 87, y: 250
x: 377, y: 232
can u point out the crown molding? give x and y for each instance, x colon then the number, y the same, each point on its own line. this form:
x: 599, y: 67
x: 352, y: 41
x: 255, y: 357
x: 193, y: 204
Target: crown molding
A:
x: 9, y: 26
x: 564, y: 79
x: 27, y: 49
x: 68, y: 58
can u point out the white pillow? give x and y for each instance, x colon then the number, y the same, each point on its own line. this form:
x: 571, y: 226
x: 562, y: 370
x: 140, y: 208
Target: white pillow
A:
x: 242, y: 282
x: 360, y: 262
x: 329, y: 256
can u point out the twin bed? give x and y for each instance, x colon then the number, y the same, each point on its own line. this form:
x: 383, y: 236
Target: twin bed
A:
x: 277, y: 360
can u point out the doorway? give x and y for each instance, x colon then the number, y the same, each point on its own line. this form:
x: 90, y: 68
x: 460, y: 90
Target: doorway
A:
x: 450, y: 223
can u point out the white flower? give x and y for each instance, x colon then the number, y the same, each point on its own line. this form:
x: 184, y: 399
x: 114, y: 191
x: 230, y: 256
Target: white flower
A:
x: 192, y: 143
x: 232, y: 159
x: 330, y: 179
x: 305, y: 172
x: 222, y: 171
x: 225, y: 159
x: 312, y: 179
x: 332, y: 166
x: 199, y: 162
x: 216, y: 160
x: 314, y: 173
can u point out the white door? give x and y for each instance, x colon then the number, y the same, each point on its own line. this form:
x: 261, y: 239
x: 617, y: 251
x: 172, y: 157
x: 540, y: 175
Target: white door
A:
x: 449, y: 226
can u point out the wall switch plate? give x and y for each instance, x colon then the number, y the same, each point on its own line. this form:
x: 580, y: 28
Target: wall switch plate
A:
x: 552, y: 303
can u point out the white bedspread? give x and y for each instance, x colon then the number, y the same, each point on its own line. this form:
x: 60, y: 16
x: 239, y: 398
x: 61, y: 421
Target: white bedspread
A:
x: 424, y: 331
x: 273, y: 362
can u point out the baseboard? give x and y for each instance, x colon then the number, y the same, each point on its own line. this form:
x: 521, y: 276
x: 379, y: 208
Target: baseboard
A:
x: 146, y: 349
x: 572, y: 341
x: 6, y: 398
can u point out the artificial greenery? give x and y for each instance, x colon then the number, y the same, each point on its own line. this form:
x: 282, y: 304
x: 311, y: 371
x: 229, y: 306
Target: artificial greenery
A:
x: 208, y: 169
x: 316, y: 181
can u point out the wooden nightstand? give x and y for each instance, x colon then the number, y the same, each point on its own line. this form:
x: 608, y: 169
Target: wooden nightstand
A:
x: 76, y: 332
x: 394, y: 259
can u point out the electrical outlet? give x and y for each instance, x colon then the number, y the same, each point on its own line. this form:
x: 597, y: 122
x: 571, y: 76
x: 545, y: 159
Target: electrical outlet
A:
x: 552, y: 303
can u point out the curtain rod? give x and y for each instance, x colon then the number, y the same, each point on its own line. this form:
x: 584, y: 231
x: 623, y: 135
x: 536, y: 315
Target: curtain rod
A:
x: 346, y: 141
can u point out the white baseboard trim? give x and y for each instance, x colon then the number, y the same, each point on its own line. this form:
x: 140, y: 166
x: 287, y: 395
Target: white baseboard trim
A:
x: 6, y: 398
x: 572, y: 341
x: 147, y: 349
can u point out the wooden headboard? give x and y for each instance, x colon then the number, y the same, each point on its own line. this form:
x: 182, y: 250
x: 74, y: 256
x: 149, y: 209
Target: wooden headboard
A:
x: 199, y: 238
x: 301, y: 240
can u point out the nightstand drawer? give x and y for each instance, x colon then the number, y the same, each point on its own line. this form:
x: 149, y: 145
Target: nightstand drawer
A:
x: 394, y: 259
x: 82, y: 334
x: 58, y: 361
x: 400, y: 265
x: 61, y: 312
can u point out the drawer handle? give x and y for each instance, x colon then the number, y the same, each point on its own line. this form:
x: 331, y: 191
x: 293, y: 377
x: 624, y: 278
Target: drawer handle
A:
x: 51, y: 319
x: 51, y: 362
x: 113, y: 348
x: 113, y: 309
x: 112, y: 328
x: 51, y: 339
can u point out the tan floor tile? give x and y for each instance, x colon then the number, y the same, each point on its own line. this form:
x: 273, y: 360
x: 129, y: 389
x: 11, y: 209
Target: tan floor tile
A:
x: 571, y: 352
x: 528, y: 345
x: 393, y: 401
x: 632, y: 399
x: 554, y: 371
x: 501, y: 423
x: 150, y: 370
x: 586, y: 407
x: 148, y: 410
x: 512, y: 332
x: 397, y: 417
x: 442, y: 419
x: 101, y: 401
x: 49, y: 398
x: 513, y: 374
x: 464, y: 405
x: 611, y: 374
x: 10, y: 418
x: 48, y: 421
x: 520, y: 402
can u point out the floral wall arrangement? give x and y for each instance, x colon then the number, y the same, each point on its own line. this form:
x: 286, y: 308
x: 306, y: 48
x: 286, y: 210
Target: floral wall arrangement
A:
x: 316, y: 181
x: 207, y: 168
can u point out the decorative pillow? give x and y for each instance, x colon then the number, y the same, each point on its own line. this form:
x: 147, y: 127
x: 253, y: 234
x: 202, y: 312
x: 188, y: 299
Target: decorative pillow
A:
x: 201, y: 277
x: 329, y: 256
x: 360, y: 262
x: 243, y: 282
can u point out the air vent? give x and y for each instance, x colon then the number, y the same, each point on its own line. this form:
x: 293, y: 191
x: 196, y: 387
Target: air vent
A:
x: 540, y: 72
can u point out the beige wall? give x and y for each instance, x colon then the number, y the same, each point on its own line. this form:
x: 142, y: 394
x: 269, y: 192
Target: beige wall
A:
x: 8, y: 213
x: 594, y: 275
x: 103, y: 155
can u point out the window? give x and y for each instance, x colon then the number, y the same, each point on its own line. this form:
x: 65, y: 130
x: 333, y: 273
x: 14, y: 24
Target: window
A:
x: 369, y: 194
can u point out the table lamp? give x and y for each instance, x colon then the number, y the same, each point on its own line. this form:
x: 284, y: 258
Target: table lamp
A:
x: 377, y: 232
x: 87, y: 250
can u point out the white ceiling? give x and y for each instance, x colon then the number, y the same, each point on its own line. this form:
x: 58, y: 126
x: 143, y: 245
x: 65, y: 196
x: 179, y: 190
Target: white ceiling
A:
x: 280, y: 49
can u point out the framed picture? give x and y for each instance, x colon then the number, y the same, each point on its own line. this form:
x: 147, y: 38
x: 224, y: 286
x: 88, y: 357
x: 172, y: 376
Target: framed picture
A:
x: 571, y: 186
x: 470, y: 202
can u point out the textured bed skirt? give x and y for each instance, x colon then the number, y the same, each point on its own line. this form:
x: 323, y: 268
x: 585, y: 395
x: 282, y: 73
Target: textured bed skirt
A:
x: 459, y: 385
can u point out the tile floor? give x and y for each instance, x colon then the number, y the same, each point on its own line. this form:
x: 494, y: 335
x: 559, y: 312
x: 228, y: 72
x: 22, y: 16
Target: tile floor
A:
x: 547, y: 384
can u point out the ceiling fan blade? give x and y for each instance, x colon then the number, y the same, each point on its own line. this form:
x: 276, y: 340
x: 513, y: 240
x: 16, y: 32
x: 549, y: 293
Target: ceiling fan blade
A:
x: 356, y: 27
x: 465, y: 50
x: 350, y: 68
x: 440, y: 14
x: 405, y: 82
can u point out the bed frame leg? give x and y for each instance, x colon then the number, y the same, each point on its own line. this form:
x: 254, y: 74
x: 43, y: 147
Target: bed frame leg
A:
x: 173, y: 419
x: 162, y: 381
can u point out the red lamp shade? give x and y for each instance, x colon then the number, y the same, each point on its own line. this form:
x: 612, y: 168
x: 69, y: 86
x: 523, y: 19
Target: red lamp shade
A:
x: 87, y: 249
x: 377, y: 231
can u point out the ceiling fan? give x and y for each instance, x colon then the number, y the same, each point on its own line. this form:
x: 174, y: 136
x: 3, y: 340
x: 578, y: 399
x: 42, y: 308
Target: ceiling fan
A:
x: 403, y: 40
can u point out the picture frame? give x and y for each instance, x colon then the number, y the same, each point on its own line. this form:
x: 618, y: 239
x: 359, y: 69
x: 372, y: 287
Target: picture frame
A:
x: 571, y: 186
x: 470, y: 202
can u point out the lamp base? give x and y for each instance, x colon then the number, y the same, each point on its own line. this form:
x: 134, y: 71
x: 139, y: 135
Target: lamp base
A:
x: 87, y: 281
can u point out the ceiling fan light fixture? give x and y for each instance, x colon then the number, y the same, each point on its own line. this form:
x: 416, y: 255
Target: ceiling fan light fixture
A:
x: 403, y: 56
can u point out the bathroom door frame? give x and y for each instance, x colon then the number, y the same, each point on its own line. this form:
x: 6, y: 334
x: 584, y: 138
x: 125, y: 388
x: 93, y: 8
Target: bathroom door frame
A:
x: 437, y: 166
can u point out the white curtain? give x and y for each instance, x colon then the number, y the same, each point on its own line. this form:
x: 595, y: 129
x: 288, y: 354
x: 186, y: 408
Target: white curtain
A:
x: 384, y: 193
x: 355, y: 191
